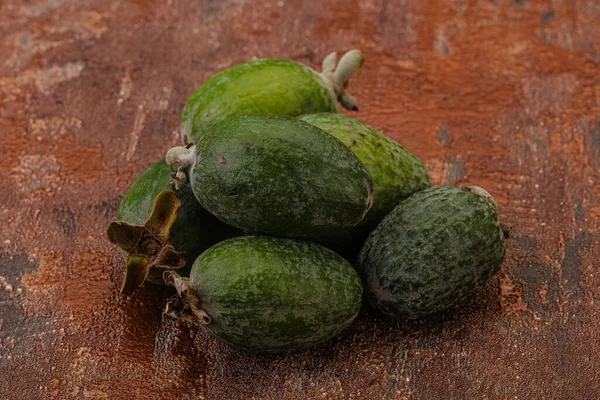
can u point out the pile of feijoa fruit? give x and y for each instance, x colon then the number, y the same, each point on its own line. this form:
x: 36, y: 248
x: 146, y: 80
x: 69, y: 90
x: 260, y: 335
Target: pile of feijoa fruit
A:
x: 278, y: 215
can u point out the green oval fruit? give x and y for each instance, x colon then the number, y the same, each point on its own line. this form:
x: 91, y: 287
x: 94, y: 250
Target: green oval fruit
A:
x: 276, y: 175
x: 271, y: 295
x: 397, y: 173
x: 269, y: 86
x: 192, y: 232
x: 432, y: 251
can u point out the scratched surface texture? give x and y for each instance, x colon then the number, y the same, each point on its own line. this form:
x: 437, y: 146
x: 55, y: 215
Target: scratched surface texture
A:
x: 504, y: 94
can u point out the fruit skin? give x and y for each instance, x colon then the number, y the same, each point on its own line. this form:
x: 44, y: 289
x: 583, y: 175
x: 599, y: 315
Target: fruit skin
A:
x: 397, y: 173
x: 261, y: 86
x: 431, y: 252
x: 269, y: 86
x: 194, y: 230
x: 271, y: 295
x: 277, y: 175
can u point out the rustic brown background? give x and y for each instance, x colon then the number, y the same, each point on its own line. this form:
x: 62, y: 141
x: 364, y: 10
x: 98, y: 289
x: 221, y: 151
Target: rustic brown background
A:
x: 505, y: 94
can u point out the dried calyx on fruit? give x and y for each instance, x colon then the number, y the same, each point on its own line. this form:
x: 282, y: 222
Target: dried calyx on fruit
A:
x: 185, y: 304
x: 148, y: 245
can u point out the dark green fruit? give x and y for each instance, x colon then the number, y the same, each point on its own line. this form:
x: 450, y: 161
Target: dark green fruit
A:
x: 276, y: 175
x: 397, y: 173
x: 270, y: 295
x: 432, y: 251
x: 193, y: 231
x: 269, y: 86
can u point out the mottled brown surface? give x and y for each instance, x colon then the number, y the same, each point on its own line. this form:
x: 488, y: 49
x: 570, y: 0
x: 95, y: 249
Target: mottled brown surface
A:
x: 504, y: 94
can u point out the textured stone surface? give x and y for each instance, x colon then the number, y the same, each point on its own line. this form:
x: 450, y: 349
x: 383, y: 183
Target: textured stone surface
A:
x: 503, y: 94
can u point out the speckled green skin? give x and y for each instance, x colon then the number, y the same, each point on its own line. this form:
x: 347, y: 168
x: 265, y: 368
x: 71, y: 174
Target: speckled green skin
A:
x: 194, y: 230
x: 271, y: 295
x: 431, y: 252
x: 397, y: 173
x: 280, y: 176
x: 266, y: 86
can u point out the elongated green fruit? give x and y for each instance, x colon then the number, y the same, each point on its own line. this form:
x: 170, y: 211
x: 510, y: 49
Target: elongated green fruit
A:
x: 270, y: 86
x: 276, y: 175
x: 270, y: 295
x: 397, y: 173
x: 432, y: 251
x: 144, y: 234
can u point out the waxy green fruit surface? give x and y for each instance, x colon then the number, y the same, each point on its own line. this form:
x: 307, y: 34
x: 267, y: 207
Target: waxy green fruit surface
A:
x: 270, y: 295
x: 281, y: 176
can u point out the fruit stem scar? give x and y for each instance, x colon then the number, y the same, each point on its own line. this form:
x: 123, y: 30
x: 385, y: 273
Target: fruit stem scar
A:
x: 187, y: 295
x: 185, y: 156
x: 337, y: 77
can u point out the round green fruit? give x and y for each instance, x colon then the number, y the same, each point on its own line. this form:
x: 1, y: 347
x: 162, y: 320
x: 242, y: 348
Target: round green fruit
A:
x: 432, y: 251
x: 270, y: 295
x: 269, y: 86
x: 276, y: 175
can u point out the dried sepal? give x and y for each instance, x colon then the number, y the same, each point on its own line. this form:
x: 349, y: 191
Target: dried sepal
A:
x: 169, y: 258
x: 164, y: 213
x: 124, y: 235
x: 348, y: 65
x: 136, y: 271
x: 348, y: 101
x: 329, y: 62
